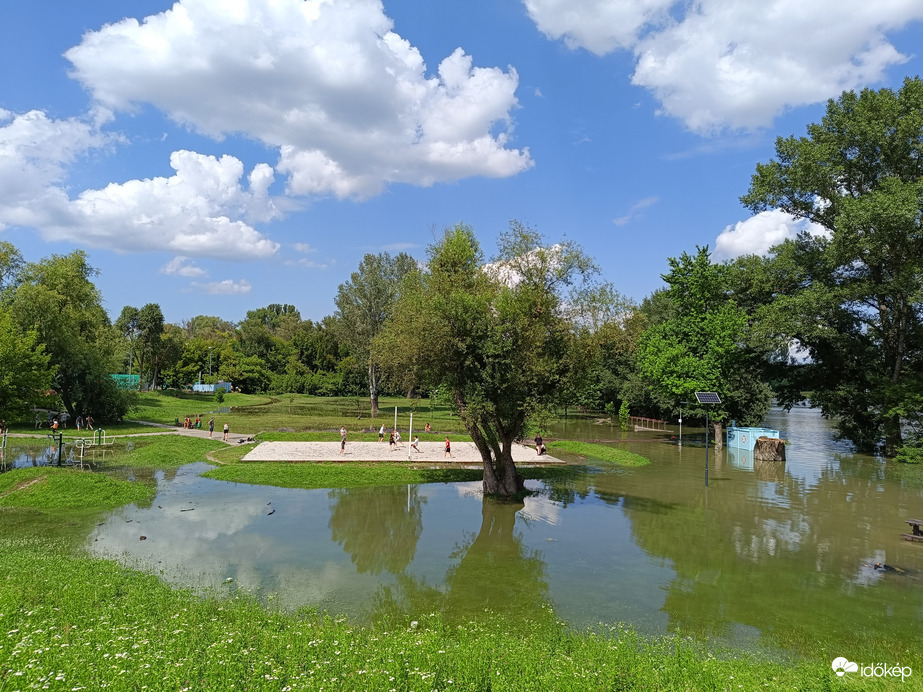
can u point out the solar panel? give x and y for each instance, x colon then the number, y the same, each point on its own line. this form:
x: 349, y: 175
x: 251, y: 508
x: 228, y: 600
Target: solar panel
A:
x: 707, y: 398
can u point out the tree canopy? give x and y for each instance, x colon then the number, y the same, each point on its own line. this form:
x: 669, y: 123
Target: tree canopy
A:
x: 849, y: 294
x: 495, y: 335
x: 365, y: 304
x: 702, y: 345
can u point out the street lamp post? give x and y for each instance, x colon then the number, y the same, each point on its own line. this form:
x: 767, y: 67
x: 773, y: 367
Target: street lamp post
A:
x: 707, y: 398
x: 210, y: 360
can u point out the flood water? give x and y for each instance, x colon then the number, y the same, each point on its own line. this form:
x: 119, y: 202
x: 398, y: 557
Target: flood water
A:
x: 770, y: 554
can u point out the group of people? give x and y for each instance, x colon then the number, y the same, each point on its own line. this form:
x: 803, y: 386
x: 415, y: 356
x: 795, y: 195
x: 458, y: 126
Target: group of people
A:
x: 394, y: 440
x: 191, y: 423
x: 56, y: 422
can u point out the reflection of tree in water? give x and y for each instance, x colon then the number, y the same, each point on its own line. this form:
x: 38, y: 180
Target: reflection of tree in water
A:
x: 495, y: 572
x: 780, y: 556
x: 378, y: 527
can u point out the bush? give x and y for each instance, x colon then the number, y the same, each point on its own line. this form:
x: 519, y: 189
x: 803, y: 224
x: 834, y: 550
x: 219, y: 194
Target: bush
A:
x: 910, y: 454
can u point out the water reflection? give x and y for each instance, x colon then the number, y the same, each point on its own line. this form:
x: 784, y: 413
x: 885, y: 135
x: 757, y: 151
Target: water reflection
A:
x: 770, y: 553
x: 378, y: 527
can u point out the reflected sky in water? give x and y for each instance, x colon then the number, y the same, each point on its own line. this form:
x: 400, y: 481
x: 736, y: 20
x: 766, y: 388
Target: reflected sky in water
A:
x: 764, y: 555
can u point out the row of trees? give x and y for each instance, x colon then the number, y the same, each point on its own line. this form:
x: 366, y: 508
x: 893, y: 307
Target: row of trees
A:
x: 834, y: 314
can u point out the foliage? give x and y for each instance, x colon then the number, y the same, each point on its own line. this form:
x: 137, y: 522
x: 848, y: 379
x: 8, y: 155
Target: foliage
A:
x: 25, y: 374
x: 703, y: 346
x: 590, y: 450
x: 624, y: 415
x: 497, y: 336
x: 850, y: 296
x: 365, y: 304
x: 910, y: 455
x: 56, y: 299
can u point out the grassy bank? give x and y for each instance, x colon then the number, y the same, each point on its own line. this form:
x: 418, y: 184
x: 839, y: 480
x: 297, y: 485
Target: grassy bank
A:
x: 357, y: 474
x: 598, y: 452
x: 108, y: 627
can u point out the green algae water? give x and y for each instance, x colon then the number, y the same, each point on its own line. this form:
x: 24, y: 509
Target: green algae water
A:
x: 773, y: 556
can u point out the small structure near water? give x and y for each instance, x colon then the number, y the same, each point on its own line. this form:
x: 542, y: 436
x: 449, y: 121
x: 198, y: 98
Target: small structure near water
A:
x: 765, y: 443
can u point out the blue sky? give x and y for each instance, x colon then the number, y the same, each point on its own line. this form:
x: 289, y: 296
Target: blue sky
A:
x: 215, y: 156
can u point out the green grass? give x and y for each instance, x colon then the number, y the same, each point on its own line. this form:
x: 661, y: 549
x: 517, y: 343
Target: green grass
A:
x: 72, y: 622
x: 50, y: 488
x: 588, y: 450
x: 357, y: 474
x: 295, y: 412
x: 169, y: 451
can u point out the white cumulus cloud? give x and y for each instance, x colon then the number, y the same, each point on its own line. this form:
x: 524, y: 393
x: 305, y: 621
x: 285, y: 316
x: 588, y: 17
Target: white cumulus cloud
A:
x: 202, y: 210
x: 756, y: 235
x: 228, y: 287
x: 181, y: 266
x: 736, y: 64
x: 346, y: 101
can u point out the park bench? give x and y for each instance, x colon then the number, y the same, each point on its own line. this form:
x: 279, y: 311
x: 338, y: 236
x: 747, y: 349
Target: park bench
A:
x: 916, y: 526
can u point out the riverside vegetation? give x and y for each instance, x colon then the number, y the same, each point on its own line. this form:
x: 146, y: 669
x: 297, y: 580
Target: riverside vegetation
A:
x: 70, y: 621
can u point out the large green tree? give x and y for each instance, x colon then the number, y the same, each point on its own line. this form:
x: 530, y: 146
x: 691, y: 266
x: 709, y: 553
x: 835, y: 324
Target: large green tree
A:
x: 851, y: 296
x: 702, y: 346
x: 496, y: 336
x: 56, y: 298
x: 365, y: 304
x: 25, y: 374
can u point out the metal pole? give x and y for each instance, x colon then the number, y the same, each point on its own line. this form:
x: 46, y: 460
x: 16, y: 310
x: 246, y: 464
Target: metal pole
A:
x: 706, y: 447
x: 395, y: 417
x: 410, y: 436
x: 680, y: 426
x: 209, y: 362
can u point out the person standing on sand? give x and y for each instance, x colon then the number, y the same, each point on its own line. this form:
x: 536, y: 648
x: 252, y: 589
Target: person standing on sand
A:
x: 397, y: 438
x: 227, y: 429
x: 211, y: 426
x: 391, y: 443
x: 416, y: 441
x: 381, y: 433
x: 448, y: 448
x: 343, y: 440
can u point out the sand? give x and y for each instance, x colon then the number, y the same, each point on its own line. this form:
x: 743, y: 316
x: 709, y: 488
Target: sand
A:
x: 462, y: 452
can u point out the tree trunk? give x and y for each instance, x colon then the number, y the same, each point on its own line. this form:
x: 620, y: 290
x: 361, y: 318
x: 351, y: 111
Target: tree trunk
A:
x: 893, y: 438
x: 718, y: 427
x: 503, y: 479
x: 500, y: 476
x: 373, y: 389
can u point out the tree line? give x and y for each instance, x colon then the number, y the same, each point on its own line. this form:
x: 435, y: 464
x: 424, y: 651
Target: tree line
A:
x: 832, y: 316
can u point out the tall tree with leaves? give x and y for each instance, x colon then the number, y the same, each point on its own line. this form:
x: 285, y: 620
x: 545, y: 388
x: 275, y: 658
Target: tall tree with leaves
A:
x: 56, y: 298
x: 365, y: 304
x: 851, y: 296
x: 702, y: 346
x: 496, y: 336
x: 25, y: 373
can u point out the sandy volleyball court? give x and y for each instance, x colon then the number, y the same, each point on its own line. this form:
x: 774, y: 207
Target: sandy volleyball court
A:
x: 462, y: 452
